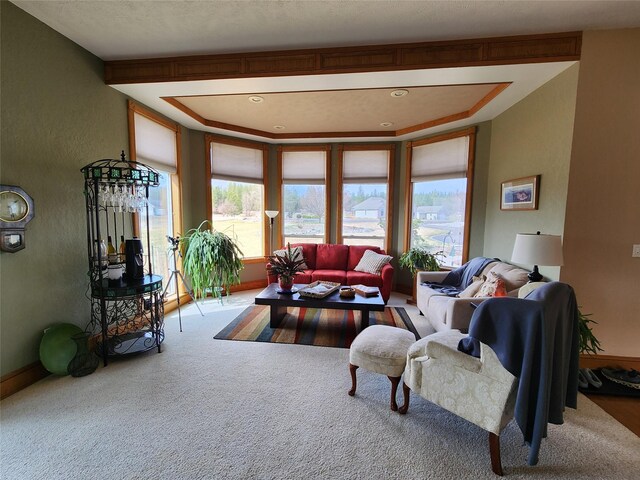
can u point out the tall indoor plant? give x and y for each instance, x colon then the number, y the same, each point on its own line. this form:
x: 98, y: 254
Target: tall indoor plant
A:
x: 212, y: 260
x: 419, y: 259
x: 588, y: 342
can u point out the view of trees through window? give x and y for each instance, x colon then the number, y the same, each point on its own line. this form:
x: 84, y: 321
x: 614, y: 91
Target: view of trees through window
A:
x: 238, y: 211
x: 437, y: 220
x: 304, y: 213
x: 364, y: 214
x: 160, y: 225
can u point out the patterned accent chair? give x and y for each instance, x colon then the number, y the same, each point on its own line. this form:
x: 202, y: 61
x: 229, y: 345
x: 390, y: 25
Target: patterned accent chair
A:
x: 479, y: 390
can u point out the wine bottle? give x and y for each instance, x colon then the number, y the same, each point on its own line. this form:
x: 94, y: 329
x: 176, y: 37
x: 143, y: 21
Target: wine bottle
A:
x: 122, y: 248
x: 103, y: 253
x: 111, y: 251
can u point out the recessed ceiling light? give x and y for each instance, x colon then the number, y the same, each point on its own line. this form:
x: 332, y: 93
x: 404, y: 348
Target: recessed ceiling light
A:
x: 401, y: 92
x: 256, y: 99
x: 386, y: 124
x: 279, y: 127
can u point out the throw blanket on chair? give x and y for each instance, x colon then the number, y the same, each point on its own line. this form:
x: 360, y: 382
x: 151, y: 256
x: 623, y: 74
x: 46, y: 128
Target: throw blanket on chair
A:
x: 536, y: 339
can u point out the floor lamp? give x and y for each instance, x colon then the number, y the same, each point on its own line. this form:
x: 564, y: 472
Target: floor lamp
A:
x: 272, y: 214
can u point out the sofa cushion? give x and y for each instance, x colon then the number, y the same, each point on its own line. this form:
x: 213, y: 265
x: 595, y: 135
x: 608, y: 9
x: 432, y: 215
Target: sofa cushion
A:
x: 514, y: 277
x: 368, y: 279
x: 339, y: 276
x: 296, y: 253
x: 372, y: 262
x: 303, y: 277
x: 356, y: 252
x: 308, y: 253
x: 331, y: 257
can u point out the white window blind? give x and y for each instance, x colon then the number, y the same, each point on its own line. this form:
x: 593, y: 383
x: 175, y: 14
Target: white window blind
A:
x: 155, y: 144
x: 308, y: 168
x: 365, y: 166
x: 446, y: 159
x: 236, y: 164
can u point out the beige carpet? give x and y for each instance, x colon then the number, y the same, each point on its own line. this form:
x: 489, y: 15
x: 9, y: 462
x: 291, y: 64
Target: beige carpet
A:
x: 210, y: 409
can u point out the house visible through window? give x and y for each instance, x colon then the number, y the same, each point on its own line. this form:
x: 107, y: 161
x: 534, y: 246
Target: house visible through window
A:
x: 304, y: 199
x: 238, y: 194
x: 156, y: 145
x: 440, y: 197
x: 365, y: 202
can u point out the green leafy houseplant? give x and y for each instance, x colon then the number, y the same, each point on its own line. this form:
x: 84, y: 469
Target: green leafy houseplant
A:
x: 417, y: 258
x: 285, y: 267
x: 212, y: 260
x: 588, y: 342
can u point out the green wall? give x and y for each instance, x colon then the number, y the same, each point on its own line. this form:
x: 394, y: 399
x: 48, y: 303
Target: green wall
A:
x: 532, y: 137
x: 57, y: 116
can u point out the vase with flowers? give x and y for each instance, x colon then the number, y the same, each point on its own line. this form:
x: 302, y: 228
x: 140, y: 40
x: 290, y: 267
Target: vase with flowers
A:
x: 285, y: 267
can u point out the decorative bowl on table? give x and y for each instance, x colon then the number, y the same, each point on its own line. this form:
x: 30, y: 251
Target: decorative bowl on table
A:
x: 347, y: 292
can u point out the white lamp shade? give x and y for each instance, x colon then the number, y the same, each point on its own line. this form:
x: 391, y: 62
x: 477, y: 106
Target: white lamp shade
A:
x: 536, y: 249
x: 271, y: 213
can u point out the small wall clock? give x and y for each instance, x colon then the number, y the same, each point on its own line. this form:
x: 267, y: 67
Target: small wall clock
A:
x: 16, y: 210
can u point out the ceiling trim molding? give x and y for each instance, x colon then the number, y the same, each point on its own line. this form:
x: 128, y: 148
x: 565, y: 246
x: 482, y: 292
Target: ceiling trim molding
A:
x: 372, y: 133
x: 552, y: 47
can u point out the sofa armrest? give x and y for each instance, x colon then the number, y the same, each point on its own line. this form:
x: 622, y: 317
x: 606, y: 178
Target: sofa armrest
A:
x: 387, y: 281
x: 431, y: 277
x: 460, y: 311
x: 270, y: 278
x: 440, y: 351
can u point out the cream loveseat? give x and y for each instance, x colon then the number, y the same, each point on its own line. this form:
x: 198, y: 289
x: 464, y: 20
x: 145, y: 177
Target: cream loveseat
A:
x: 446, y: 312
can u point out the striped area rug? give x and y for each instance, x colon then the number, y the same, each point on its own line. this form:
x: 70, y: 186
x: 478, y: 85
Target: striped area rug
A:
x: 310, y: 326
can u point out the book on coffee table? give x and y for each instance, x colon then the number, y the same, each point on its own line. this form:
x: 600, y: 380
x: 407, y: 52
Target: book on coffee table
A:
x: 366, y: 291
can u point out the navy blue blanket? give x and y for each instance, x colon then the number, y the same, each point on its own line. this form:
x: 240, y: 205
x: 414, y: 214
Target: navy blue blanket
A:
x: 536, y: 339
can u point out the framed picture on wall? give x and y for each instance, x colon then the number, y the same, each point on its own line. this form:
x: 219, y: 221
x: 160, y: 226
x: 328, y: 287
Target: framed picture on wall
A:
x: 520, y: 193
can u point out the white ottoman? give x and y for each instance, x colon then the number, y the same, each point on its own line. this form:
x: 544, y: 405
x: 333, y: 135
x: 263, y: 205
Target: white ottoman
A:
x: 381, y: 349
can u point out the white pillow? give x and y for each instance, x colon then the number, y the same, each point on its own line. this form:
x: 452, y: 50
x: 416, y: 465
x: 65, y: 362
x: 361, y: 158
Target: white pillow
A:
x: 296, y: 253
x: 473, y: 287
x: 372, y: 262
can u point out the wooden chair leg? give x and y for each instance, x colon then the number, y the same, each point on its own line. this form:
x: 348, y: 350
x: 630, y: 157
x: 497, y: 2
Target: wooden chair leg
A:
x: 394, y: 389
x: 405, y: 406
x: 352, y: 369
x: 494, y: 450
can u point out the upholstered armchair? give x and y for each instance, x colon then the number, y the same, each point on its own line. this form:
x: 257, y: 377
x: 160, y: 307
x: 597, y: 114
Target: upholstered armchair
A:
x: 519, y: 360
x: 479, y: 390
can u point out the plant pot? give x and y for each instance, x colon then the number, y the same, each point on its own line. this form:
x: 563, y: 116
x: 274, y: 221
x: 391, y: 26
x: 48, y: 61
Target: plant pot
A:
x: 285, y: 283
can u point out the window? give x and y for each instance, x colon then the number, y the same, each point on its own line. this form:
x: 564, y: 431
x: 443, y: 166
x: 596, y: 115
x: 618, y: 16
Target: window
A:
x: 305, y: 180
x: 439, y: 195
x: 156, y: 144
x: 363, y: 211
x: 238, y: 192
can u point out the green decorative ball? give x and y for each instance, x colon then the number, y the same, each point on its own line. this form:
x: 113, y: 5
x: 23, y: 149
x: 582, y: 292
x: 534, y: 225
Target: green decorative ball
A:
x: 57, y: 348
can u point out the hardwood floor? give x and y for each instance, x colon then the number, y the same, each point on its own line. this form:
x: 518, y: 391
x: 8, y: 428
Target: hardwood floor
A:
x: 626, y: 410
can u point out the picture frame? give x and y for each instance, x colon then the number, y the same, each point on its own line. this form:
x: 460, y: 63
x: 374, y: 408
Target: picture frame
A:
x: 520, y: 193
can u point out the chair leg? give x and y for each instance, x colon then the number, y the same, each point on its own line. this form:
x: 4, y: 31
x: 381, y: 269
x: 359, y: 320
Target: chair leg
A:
x: 405, y: 406
x: 352, y: 369
x: 394, y: 389
x: 494, y: 450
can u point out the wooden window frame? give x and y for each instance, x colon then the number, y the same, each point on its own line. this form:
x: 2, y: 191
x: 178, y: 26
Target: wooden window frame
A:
x: 210, y: 138
x: 471, y: 133
x: 327, y: 186
x: 175, y: 178
x: 391, y: 148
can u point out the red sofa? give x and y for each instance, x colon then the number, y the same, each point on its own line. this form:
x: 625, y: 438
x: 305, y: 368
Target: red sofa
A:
x: 336, y: 263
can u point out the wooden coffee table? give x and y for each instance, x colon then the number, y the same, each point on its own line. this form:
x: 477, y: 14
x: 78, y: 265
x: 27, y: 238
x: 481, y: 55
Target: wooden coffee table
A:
x: 279, y: 303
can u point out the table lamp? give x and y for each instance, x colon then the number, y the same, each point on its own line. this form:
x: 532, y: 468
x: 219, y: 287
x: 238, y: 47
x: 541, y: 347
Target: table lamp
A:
x: 535, y: 249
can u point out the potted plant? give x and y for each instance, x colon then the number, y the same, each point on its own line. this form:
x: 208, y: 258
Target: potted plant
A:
x: 588, y: 342
x: 285, y: 267
x: 212, y: 260
x: 419, y: 259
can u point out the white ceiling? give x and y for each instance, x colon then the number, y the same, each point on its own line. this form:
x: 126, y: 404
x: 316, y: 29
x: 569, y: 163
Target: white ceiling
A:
x: 124, y: 29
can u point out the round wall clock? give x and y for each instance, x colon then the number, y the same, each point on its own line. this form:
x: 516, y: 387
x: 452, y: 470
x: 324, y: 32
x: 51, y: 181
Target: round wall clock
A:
x: 16, y: 210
